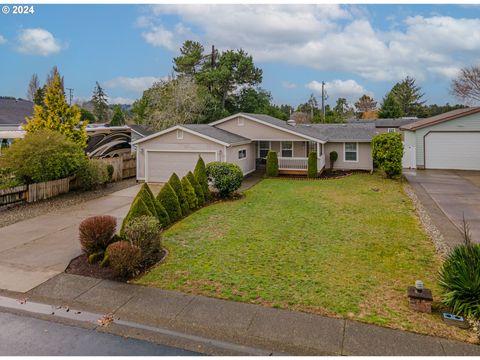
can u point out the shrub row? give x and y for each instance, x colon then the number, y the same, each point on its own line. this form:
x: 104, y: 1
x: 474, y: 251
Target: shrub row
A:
x: 272, y: 164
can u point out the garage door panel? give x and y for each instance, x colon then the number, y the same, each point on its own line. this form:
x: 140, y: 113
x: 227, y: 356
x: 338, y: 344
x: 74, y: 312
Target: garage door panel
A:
x: 452, y: 150
x: 161, y: 165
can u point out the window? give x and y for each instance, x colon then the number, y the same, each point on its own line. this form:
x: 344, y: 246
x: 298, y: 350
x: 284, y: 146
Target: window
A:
x: 263, y: 149
x: 312, y: 147
x: 392, y: 130
x: 242, y: 154
x: 351, y: 151
x: 240, y: 121
x: 287, y: 149
x: 179, y: 134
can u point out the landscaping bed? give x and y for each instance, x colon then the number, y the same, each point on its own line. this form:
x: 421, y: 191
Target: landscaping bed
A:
x: 347, y: 248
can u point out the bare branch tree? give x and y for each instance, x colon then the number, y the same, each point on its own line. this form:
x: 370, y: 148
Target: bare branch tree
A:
x: 33, y: 86
x: 466, y: 86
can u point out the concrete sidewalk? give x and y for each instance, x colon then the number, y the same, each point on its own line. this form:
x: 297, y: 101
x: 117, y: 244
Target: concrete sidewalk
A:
x: 274, y: 330
x: 37, y: 249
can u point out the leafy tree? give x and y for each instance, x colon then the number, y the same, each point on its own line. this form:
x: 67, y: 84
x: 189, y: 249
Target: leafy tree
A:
x: 57, y: 115
x: 365, y: 104
x: 118, y: 117
x: 140, y: 108
x: 43, y: 155
x: 390, y: 108
x: 100, y: 103
x: 191, y: 59
x: 257, y: 101
x: 466, y: 86
x: 408, y: 96
x: 387, y: 153
x: 33, y: 87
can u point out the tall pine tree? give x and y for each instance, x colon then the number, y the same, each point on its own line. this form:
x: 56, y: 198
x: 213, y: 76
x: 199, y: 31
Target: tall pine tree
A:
x: 100, y: 103
x: 56, y: 114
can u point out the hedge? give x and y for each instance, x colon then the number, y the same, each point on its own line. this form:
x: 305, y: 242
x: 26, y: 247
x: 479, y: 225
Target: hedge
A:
x: 175, y: 183
x: 169, y: 200
x: 189, y: 193
x: 197, y: 187
x: 200, y: 173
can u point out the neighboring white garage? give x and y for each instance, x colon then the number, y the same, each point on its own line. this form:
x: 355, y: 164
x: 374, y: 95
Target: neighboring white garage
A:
x: 446, y: 141
x: 177, y: 150
x: 452, y: 150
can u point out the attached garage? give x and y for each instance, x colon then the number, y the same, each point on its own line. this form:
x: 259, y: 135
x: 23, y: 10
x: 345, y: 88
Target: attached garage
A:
x: 452, y: 150
x: 161, y: 164
x: 448, y: 141
x: 177, y: 150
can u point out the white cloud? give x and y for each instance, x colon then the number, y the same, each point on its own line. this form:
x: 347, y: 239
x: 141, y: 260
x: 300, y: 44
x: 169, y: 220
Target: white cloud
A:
x: 2, y: 40
x: 349, y: 89
x: 288, y: 85
x: 326, y: 37
x: 37, y: 42
x: 137, y: 84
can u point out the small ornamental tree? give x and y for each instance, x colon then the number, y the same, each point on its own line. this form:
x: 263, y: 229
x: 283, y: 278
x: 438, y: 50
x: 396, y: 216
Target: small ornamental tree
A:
x: 175, y: 183
x: 189, y: 193
x: 312, y: 165
x: 138, y: 208
x: 387, y: 153
x: 226, y: 177
x: 200, y: 173
x: 272, y: 164
x: 333, y: 157
x: 198, y: 189
x: 169, y: 201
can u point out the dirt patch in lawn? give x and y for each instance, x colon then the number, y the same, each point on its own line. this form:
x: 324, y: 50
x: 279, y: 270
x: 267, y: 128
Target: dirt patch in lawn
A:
x: 81, y: 266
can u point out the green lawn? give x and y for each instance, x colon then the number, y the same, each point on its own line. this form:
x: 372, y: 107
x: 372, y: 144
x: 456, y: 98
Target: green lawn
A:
x: 334, y: 247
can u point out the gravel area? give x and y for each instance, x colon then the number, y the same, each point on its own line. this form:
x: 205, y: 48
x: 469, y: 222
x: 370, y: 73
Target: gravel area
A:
x: 57, y: 204
x: 437, y: 238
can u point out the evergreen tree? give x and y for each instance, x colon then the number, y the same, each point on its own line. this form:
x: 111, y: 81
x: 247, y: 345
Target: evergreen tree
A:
x: 390, y: 108
x: 190, y: 60
x: 189, y: 193
x: 176, y: 185
x: 56, y: 114
x: 100, y: 104
x: 118, y: 117
x: 200, y: 174
x: 197, y: 187
x: 39, y: 98
x: 408, y: 96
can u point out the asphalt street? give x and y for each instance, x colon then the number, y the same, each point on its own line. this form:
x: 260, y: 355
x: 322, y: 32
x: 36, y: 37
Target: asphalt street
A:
x: 27, y: 336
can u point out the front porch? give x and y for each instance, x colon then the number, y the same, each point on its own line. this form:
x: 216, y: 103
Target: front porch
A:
x: 292, y: 155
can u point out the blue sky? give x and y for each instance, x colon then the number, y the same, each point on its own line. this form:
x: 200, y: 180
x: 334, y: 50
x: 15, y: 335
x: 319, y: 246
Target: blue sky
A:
x: 356, y: 49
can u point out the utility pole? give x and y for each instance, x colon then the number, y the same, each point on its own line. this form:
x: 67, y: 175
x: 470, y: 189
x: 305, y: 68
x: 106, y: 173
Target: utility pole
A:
x: 323, y: 101
x: 70, y: 96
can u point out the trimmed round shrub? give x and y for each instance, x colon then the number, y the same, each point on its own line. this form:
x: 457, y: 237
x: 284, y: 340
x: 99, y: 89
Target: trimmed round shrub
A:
x: 137, y: 209
x: 387, y: 153
x: 333, y: 157
x: 92, y: 174
x: 198, y: 189
x: 272, y: 164
x: 96, y: 233
x: 169, y: 201
x: 200, y: 173
x: 226, y: 177
x: 176, y: 185
x: 124, y: 258
x: 144, y: 232
x: 43, y: 155
x: 189, y: 193
x: 312, y: 165
x: 460, y: 280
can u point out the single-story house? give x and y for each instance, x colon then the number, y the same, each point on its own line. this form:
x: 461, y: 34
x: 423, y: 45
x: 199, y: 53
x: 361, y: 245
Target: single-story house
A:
x: 245, y: 139
x: 446, y: 141
x: 388, y: 124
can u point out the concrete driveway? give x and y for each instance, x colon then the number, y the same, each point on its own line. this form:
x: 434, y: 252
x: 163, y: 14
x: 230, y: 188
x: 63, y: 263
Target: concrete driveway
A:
x: 35, y: 250
x: 456, y: 193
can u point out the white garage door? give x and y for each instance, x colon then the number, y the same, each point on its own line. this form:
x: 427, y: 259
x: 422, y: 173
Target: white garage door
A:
x: 452, y: 150
x: 161, y: 165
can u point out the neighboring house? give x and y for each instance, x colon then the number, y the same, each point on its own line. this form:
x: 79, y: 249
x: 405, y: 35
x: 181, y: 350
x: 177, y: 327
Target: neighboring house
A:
x: 245, y: 139
x: 446, y: 141
x: 139, y: 132
x: 12, y: 114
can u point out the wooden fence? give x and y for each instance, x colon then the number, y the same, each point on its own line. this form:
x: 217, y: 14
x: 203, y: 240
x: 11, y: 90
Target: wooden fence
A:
x: 12, y: 196
x: 124, y: 166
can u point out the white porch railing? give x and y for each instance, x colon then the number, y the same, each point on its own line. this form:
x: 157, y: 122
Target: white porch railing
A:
x: 298, y: 163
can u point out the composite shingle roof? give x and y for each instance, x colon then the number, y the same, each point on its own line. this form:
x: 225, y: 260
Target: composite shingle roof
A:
x: 14, y: 112
x: 454, y: 114
x: 143, y: 130
x: 216, y: 133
